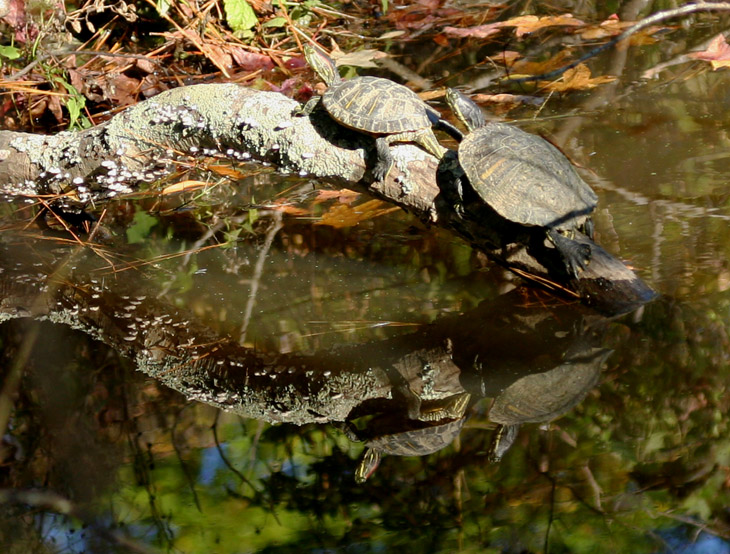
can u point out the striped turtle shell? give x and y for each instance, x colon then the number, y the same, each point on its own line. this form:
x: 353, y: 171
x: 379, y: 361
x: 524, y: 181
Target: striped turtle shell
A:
x: 524, y: 178
x: 375, y: 105
x: 418, y: 442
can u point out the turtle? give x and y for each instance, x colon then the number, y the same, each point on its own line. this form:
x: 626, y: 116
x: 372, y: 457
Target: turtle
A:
x: 526, y: 181
x: 542, y: 397
x: 380, y: 107
x: 409, y: 437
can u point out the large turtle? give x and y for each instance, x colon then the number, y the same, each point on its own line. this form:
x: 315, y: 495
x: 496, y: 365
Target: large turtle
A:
x: 402, y: 436
x: 376, y: 106
x: 525, y: 180
x: 542, y: 397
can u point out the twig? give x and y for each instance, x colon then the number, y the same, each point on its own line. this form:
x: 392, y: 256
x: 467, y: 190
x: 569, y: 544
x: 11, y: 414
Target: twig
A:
x: 43, y: 57
x: 646, y: 22
x: 258, y: 270
x: 225, y: 460
x: 185, y: 469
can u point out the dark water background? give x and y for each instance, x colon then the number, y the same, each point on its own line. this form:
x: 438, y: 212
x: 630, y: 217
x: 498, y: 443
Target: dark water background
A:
x: 641, y: 465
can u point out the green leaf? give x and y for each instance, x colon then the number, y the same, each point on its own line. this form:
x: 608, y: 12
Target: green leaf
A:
x: 9, y: 52
x: 240, y: 15
x: 275, y: 22
x: 163, y: 6
x: 140, y: 229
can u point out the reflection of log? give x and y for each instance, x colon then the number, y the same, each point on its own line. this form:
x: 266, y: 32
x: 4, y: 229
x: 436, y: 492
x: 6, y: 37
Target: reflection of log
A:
x: 480, y: 352
x: 146, y: 141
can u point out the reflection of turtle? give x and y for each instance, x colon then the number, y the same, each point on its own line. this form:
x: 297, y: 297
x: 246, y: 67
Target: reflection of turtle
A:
x: 375, y: 106
x: 434, y: 430
x: 525, y: 180
x: 544, y: 396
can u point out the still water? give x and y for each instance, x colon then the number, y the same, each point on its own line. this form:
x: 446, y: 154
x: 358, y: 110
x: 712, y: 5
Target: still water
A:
x: 632, y: 457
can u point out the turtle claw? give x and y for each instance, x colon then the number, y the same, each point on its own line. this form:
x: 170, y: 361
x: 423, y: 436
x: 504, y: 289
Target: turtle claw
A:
x: 576, y: 255
x: 381, y: 170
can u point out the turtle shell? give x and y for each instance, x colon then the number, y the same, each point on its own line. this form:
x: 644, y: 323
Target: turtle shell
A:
x: 524, y: 178
x: 418, y: 442
x: 545, y: 396
x: 376, y: 106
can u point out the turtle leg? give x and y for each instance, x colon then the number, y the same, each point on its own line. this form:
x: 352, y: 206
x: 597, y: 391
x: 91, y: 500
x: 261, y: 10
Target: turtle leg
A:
x: 503, y: 439
x: 576, y: 255
x: 348, y: 429
x: 424, y: 138
x: 369, y: 463
x: 308, y: 108
x: 385, y: 158
x: 588, y: 228
x: 428, y: 141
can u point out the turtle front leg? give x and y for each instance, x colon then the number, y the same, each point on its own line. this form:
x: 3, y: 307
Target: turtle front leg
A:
x: 385, y: 158
x: 308, y: 108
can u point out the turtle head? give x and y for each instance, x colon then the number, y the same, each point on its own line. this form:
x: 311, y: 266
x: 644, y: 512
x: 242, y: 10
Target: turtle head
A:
x: 465, y: 109
x: 369, y: 463
x: 322, y: 64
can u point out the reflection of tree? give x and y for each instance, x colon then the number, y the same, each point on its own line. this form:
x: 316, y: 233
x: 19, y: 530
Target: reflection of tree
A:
x: 294, y: 485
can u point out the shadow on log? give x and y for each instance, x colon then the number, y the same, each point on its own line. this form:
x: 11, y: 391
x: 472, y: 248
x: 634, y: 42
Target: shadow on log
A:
x: 147, y: 141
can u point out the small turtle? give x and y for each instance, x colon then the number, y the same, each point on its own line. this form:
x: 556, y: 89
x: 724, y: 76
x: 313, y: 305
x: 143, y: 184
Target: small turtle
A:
x: 409, y: 437
x: 376, y: 106
x: 525, y: 180
x: 544, y: 396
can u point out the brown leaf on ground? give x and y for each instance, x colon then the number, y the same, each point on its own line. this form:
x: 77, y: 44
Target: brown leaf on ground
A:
x: 717, y: 53
x: 525, y: 67
x: 506, y: 57
x: 250, y: 61
x: 343, y: 215
x: 121, y: 90
x: 361, y: 58
x: 261, y: 6
x: 578, y: 78
x: 55, y: 107
x: 526, y: 24
x: 421, y: 14
x: 480, y: 31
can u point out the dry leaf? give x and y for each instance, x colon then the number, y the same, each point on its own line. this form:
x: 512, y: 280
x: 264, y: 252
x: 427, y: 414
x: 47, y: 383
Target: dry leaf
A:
x: 226, y: 171
x: 525, y: 67
x: 717, y: 53
x: 345, y: 196
x: 530, y: 23
x: 506, y: 57
x: 343, y: 215
x: 608, y: 28
x: 510, y: 99
x: 183, y: 186
x: 250, y: 61
x: 292, y: 210
x: 481, y: 31
x: 362, y: 58
x: 578, y: 78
